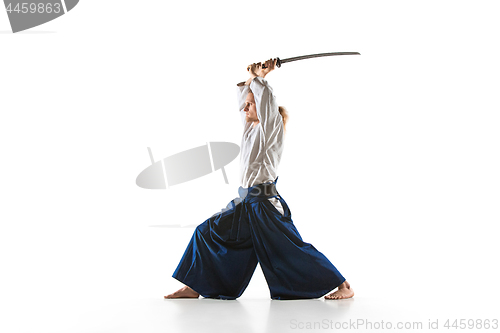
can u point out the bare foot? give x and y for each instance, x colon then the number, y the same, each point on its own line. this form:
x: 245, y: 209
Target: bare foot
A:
x: 184, y: 292
x: 344, y: 291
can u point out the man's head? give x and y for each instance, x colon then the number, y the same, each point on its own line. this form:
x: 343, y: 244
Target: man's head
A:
x: 250, y: 109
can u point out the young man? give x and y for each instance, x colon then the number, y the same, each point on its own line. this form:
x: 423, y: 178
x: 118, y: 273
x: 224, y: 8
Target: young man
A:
x: 257, y: 226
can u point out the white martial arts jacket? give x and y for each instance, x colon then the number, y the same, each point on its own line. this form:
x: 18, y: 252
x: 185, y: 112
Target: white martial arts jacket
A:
x: 262, y: 145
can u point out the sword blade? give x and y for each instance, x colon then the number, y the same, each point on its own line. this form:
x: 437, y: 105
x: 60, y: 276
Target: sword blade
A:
x: 282, y: 61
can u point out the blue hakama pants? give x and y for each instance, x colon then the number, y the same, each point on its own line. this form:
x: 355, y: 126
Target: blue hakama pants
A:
x: 225, y: 249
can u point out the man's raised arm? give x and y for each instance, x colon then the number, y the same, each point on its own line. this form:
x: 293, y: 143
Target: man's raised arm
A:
x: 265, y: 102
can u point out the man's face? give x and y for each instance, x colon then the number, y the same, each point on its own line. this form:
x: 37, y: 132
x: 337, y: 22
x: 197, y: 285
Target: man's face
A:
x: 250, y: 109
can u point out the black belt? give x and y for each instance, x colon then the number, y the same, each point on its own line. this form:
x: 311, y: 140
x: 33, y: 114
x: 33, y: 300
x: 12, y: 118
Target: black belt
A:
x: 260, y: 190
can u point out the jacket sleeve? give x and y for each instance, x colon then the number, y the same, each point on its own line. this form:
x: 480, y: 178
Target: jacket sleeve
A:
x: 242, y: 93
x: 265, y: 101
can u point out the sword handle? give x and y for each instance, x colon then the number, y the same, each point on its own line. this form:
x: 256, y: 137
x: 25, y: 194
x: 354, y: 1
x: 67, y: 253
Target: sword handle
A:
x: 278, y: 63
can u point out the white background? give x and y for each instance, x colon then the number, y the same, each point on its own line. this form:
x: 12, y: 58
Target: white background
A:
x: 390, y: 165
